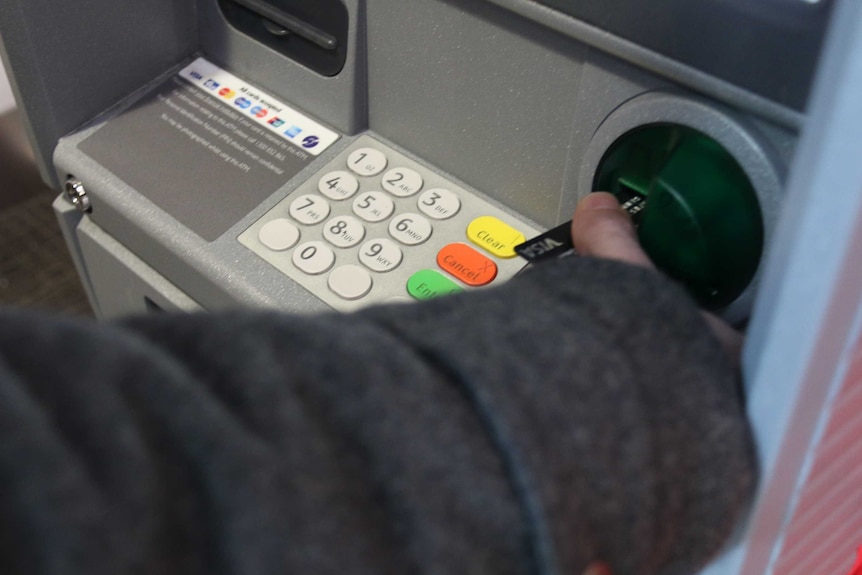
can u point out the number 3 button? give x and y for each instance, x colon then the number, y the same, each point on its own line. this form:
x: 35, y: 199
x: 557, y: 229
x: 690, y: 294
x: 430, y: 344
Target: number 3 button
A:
x: 439, y: 204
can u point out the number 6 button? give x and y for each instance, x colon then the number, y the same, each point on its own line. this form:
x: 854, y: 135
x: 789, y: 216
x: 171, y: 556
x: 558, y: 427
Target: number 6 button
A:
x: 410, y: 229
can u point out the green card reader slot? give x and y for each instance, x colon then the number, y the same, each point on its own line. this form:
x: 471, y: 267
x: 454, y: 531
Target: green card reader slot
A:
x: 695, y: 209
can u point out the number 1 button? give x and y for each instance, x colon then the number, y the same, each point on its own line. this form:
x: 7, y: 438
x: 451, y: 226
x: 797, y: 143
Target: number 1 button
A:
x: 367, y: 161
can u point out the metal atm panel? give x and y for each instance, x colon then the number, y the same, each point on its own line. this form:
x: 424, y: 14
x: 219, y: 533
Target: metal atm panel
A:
x: 515, y: 103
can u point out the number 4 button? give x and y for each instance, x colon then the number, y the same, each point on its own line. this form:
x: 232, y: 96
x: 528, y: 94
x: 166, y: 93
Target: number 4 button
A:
x: 338, y: 185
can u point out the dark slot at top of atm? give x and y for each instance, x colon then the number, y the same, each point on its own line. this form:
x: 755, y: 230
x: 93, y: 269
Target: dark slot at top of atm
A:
x: 312, y: 33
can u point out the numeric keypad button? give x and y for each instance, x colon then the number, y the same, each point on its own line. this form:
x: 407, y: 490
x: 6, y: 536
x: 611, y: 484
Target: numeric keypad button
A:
x: 350, y: 282
x: 380, y: 255
x: 373, y: 206
x: 343, y: 231
x: 402, y: 182
x: 338, y: 185
x: 439, y: 204
x: 367, y: 161
x: 278, y: 235
x: 309, y: 209
x: 313, y: 258
x: 410, y: 229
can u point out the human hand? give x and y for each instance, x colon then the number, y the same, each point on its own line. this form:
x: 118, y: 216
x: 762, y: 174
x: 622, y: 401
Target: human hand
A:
x: 600, y: 228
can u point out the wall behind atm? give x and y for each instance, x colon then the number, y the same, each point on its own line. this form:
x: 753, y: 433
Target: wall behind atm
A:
x: 7, y: 102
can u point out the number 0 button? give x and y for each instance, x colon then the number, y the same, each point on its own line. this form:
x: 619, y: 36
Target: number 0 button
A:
x: 313, y: 258
x: 410, y: 229
x: 367, y: 161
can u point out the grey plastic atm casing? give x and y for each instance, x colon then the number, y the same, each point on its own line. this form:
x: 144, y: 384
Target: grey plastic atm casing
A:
x: 510, y: 98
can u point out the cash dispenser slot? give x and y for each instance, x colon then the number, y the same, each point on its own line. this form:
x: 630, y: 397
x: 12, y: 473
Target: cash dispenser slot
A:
x: 313, y: 34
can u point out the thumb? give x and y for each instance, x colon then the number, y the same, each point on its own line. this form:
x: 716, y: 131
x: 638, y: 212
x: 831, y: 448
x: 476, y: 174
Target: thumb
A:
x: 600, y: 228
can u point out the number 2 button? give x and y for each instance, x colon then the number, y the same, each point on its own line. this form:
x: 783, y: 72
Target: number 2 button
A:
x: 402, y: 182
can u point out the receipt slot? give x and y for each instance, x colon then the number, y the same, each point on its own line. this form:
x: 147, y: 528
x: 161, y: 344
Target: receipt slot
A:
x: 311, y: 33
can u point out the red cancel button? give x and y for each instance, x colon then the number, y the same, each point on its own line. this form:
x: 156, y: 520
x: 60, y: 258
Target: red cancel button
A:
x: 467, y: 265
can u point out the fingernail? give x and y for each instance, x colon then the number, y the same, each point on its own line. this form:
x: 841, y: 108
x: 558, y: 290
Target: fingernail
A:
x: 599, y: 201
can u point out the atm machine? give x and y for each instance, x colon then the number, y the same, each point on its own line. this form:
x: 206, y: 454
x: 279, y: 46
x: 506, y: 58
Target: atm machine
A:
x: 309, y: 155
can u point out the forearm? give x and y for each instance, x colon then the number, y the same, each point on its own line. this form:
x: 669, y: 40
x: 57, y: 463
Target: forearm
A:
x: 539, y: 423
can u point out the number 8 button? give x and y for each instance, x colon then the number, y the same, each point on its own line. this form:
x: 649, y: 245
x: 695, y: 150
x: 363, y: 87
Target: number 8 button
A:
x: 343, y: 231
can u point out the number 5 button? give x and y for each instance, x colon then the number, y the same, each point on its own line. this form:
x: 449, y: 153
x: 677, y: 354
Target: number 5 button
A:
x: 439, y: 204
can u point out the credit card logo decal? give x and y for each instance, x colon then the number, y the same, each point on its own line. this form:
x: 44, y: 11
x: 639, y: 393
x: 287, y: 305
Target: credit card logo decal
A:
x: 260, y: 108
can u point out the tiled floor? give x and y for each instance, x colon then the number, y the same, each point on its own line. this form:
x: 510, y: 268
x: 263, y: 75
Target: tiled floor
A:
x: 35, y: 268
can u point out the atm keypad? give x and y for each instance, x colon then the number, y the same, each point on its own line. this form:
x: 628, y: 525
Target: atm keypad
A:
x: 374, y: 225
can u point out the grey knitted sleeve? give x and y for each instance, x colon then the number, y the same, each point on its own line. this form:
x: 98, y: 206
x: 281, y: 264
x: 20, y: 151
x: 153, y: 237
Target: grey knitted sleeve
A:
x: 582, y: 411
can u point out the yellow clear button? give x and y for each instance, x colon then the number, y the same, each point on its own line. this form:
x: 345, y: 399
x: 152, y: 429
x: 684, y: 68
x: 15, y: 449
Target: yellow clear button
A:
x: 495, y: 236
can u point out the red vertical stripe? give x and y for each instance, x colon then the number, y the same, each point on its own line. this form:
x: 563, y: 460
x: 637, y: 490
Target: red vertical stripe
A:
x: 826, y: 527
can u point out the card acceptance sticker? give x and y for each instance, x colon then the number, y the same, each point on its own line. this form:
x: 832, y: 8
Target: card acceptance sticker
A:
x: 206, y: 147
x: 261, y: 108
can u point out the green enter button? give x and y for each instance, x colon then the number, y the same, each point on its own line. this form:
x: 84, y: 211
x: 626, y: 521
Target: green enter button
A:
x: 427, y: 284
